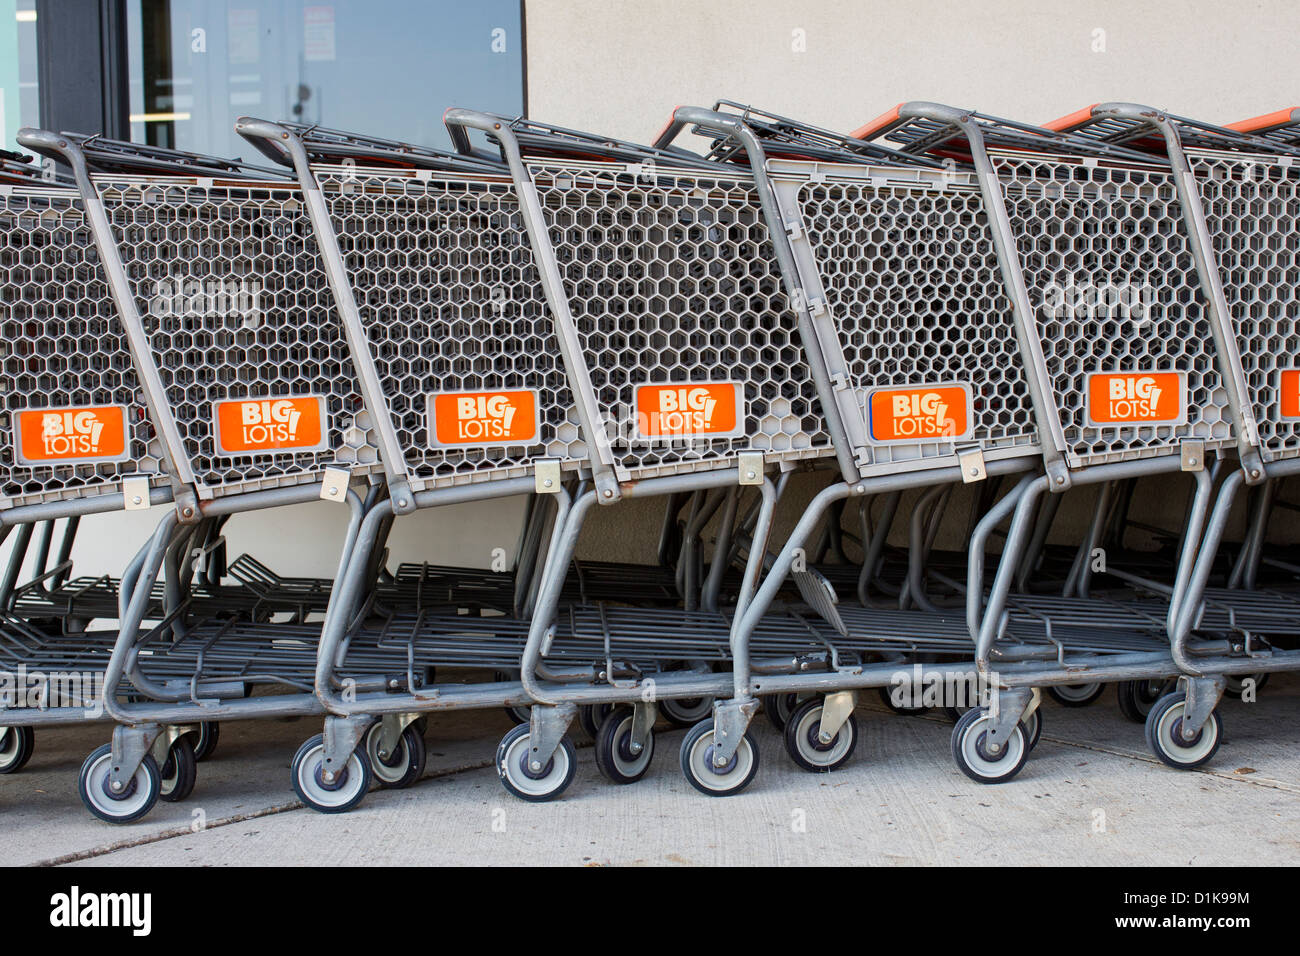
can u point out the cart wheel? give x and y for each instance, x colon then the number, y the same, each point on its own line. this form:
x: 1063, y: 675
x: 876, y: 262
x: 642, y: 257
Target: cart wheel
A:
x: 1033, y: 725
x: 205, y: 740
x: 519, y: 715
x: 1137, y: 697
x: 614, y: 755
x: 591, y: 716
x: 905, y: 709
x: 404, y: 765
x: 697, y: 763
x: 16, y: 746
x: 1164, y: 724
x: 1236, y: 685
x: 971, y: 753
x: 778, y: 708
x: 686, y: 711
x: 1076, y: 695
x: 804, y: 747
x: 179, y: 771
x: 525, y: 783
x: 339, y: 795
x: 132, y: 803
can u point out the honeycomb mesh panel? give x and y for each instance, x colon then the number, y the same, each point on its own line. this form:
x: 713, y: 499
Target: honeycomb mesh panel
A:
x: 1252, y: 209
x: 235, y: 304
x: 443, y: 275
x: 914, y: 287
x: 60, y: 344
x: 1091, y: 239
x: 674, y: 281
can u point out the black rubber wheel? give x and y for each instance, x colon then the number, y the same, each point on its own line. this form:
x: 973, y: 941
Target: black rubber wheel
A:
x: 685, y: 711
x: 970, y: 751
x: 804, y: 747
x: 614, y: 756
x: 591, y: 716
x: 205, y: 740
x: 137, y: 799
x: 1137, y: 697
x: 535, y: 786
x: 179, y: 771
x: 777, y: 708
x: 337, y: 796
x: 402, y: 767
x: 1163, y: 732
x: 1076, y: 695
x: 16, y: 746
x: 697, y: 763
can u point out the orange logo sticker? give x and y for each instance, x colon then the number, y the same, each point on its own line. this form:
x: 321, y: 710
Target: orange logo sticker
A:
x: 1136, y: 398
x: 1288, y: 388
x: 707, y: 409
x: 248, y: 426
x: 920, y: 413
x: 59, y: 435
x: 484, y: 418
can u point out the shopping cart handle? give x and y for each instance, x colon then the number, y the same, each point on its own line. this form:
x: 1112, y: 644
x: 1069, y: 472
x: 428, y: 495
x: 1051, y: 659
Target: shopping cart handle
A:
x: 58, y: 147
x: 460, y: 121
x: 269, y: 139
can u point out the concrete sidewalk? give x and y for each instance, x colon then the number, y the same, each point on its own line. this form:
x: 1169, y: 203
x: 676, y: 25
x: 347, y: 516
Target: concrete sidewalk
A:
x: 1090, y: 794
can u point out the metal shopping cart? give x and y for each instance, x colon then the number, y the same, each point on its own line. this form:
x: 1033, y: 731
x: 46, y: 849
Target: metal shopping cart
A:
x: 252, y: 403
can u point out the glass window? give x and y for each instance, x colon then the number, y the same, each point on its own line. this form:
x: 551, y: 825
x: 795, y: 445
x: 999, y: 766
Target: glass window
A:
x: 384, y: 67
x: 19, y: 102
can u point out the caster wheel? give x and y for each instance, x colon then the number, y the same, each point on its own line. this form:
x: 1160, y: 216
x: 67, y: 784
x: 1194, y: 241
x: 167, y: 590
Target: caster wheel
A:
x: 1164, y: 724
x: 339, y: 795
x: 1033, y: 725
x: 778, y: 708
x: 421, y: 725
x: 887, y: 697
x: 404, y: 765
x: 205, y: 740
x: 16, y: 746
x: 614, y: 756
x: 970, y: 750
x: 1137, y: 697
x: 591, y: 716
x: 697, y: 763
x: 1076, y: 695
x: 686, y: 711
x: 131, y: 803
x: 179, y: 771
x: 539, y: 785
x: 804, y: 747
x: 1237, y: 685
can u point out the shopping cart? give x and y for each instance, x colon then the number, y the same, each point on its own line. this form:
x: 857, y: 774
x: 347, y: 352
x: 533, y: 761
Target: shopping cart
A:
x: 252, y: 403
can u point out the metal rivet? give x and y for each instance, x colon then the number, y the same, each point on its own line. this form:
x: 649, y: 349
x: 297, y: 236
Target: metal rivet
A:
x: 136, y: 500
x: 608, y: 493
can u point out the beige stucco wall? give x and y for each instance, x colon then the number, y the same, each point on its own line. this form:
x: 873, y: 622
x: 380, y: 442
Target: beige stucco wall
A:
x: 620, y: 66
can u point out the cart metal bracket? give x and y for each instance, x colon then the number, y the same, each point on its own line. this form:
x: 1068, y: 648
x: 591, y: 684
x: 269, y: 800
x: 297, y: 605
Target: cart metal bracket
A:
x: 130, y: 746
x: 730, y: 721
x: 972, y: 466
x: 135, y: 493
x: 548, y: 725
x: 187, y: 505
x: 644, y: 715
x: 400, y: 491
x: 1203, y: 695
x: 341, y: 738
x: 751, y: 467
x: 1193, y: 452
x: 1006, y: 710
x: 334, y: 484
x: 836, y: 709
x: 546, y: 474
x: 390, y: 731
